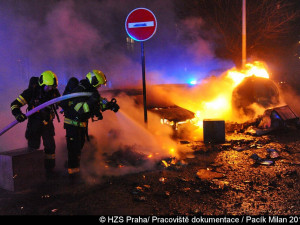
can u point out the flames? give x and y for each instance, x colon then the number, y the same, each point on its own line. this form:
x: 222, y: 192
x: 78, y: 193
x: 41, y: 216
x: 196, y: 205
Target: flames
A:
x: 212, y: 98
x: 256, y: 68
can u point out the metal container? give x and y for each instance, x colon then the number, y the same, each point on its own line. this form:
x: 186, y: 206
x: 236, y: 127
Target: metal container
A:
x: 213, y: 131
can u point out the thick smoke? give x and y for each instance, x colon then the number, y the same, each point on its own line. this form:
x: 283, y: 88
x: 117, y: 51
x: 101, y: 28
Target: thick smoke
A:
x: 73, y: 37
x: 124, y: 135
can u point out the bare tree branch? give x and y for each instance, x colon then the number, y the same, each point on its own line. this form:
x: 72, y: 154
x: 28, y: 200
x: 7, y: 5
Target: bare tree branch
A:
x: 268, y: 22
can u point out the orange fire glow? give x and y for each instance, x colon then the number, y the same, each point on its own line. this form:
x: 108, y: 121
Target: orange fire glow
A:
x: 256, y: 68
x: 214, y: 100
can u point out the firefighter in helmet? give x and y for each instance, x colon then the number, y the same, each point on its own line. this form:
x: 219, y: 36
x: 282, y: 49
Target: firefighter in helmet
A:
x: 40, y: 124
x: 77, y: 113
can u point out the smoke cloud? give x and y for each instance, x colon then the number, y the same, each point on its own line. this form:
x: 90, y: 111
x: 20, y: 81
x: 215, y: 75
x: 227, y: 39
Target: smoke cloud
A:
x: 124, y: 133
x: 73, y: 37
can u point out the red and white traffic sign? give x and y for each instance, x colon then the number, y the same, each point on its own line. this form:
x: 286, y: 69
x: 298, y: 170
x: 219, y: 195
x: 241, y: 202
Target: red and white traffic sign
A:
x: 141, y: 24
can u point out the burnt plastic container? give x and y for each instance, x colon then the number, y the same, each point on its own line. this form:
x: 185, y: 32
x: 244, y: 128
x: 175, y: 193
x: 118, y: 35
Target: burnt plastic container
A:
x: 213, y: 131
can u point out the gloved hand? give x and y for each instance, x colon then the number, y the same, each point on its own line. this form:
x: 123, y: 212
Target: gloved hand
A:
x: 21, y: 117
x: 99, y: 115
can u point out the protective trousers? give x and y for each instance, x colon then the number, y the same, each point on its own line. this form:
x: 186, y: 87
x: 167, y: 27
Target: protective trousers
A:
x: 75, y: 141
x: 37, y: 129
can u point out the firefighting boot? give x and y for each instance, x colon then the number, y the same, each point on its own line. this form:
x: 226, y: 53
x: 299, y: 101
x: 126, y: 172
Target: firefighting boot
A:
x: 74, y: 176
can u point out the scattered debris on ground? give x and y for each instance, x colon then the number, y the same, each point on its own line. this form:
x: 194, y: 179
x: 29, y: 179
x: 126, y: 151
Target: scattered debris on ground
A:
x: 249, y: 174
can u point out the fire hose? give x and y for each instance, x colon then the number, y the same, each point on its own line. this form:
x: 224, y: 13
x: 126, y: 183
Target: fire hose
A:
x: 51, y: 102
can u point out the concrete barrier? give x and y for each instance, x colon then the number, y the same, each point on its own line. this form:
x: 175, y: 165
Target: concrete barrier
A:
x: 21, y: 169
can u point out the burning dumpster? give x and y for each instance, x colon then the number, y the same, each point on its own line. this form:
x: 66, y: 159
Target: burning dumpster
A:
x: 278, y: 117
x: 254, y: 90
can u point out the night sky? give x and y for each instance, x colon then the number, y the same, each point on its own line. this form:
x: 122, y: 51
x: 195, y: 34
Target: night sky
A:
x: 73, y: 37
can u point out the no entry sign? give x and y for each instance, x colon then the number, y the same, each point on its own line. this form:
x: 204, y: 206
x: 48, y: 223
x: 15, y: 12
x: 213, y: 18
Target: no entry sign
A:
x: 140, y: 24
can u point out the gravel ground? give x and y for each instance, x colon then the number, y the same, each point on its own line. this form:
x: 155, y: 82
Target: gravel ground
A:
x: 247, y: 175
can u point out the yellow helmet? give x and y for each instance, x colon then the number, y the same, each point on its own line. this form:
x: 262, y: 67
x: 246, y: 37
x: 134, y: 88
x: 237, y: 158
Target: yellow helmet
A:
x: 48, y: 78
x: 96, y: 78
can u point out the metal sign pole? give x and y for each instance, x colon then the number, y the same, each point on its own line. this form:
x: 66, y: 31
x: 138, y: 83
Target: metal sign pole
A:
x: 144, y: 81
x: 141, y: 25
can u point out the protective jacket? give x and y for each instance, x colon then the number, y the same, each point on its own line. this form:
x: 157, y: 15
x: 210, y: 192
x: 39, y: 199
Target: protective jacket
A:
x: 77, y: 111
x: 40, y: 124
x: 34, y: 97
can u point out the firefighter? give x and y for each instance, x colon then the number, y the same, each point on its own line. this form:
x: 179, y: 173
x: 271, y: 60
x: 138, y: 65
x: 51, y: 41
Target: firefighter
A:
x: 40, y: 124
x: 77, y: 113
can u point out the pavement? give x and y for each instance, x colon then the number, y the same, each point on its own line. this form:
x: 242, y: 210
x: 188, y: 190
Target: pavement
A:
x: 247, y: 175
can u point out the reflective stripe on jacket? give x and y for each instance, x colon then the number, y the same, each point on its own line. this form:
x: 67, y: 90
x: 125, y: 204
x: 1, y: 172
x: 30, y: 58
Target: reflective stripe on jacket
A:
x: 84, y: 105
x: 75, y: 123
